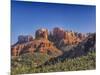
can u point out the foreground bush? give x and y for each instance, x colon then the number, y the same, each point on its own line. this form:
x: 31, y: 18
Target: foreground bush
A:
x: 28, y: 64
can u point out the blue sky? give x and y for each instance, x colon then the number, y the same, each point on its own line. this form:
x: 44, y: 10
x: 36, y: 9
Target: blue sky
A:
x: 27, y: 17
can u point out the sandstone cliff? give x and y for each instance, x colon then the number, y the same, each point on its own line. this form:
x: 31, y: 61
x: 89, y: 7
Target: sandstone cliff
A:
x: 46, y: 42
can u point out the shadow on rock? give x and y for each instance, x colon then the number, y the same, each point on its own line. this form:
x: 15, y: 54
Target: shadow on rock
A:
x: 81, y: 49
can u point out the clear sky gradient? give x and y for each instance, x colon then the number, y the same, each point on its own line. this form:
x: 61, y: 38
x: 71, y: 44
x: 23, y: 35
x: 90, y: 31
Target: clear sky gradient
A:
x: 27, y: 17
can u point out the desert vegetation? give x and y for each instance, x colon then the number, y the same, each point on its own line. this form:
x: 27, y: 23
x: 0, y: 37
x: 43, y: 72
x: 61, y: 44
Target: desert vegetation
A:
x: 27, y: 63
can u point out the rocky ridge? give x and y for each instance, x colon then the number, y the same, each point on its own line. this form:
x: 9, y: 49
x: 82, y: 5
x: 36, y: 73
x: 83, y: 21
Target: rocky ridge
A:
x: 47, y: 42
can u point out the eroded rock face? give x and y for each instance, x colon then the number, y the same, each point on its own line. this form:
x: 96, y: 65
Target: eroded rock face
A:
x: 40, y: 45
x: 61, y: 37
x: 58, y: 33
x: 41, y: 33
x: 24, y: 39
x: 45, y: 42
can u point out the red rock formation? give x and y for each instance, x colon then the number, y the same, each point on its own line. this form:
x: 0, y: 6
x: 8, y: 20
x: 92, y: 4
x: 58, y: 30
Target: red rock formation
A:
x: 41, y: 45
x: 70, y: 38
x: 58, y: 33
x: 24, y: 39
x: 58, y: 38
x: 42, y: 33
